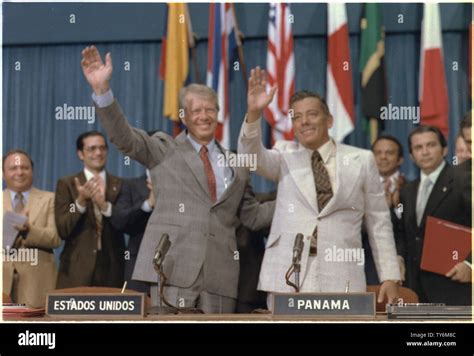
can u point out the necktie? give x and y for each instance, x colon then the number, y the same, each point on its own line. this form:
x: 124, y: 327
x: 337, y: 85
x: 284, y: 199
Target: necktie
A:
x: 422, y: 199
x: 19, y: 203
x: 98, y: 214
x: 321, y: 180
x: 211, y: 178
x: 323, y: 191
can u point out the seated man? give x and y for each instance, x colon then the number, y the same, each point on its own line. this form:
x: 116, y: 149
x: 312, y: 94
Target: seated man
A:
x: 28, y: 281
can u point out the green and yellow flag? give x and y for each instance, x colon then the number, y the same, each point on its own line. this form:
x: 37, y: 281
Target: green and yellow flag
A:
x: 372, y: 67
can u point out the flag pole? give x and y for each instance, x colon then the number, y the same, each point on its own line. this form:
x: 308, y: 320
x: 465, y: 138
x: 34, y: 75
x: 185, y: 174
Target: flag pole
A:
x: 192, y: 45
x: 240, y: 49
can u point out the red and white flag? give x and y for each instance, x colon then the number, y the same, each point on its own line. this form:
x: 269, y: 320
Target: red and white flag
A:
x: 222, y: 46
x: 433, y: 93
x: 280, y: 70
x: 339, y: 95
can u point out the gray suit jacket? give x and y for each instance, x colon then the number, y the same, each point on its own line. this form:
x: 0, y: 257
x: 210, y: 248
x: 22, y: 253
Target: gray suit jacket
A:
x: 202, y: 233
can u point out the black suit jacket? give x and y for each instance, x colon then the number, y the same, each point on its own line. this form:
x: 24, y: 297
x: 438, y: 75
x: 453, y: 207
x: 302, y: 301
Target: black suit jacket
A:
x: 128, y: 217
x: 447, y: 201
x: 80, y: 258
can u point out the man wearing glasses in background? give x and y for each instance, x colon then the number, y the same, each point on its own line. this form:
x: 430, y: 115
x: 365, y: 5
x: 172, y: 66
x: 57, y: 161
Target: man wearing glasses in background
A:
x: 93, y: 254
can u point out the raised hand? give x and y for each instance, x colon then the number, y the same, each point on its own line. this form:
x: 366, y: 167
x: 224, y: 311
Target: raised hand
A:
x: 97, y: 73
x: 257, y: 96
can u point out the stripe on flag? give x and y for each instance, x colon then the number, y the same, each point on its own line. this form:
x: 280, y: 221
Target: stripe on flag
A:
x: 222, y: 46
x: 339, y: 93
x: 433, y: 90
x: 280, y: 70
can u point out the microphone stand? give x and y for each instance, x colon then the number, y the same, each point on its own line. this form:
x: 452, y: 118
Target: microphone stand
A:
x: 161, y: 309
x: 168, y: 308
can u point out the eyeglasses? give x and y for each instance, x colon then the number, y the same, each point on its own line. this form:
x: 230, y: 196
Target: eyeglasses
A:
x: 94, y: 148
x: 208, y: 111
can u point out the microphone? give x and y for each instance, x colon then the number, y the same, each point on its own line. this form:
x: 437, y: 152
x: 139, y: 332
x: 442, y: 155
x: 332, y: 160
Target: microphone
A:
x: 161, y: 251
x: 298, y: 248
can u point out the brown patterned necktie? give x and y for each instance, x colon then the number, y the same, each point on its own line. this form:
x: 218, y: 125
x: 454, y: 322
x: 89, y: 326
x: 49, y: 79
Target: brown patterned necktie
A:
x: 19, y: 203
x: 321, y: 180
x: 98, y: 214
x: 211, y: 178
x: 323, y: 191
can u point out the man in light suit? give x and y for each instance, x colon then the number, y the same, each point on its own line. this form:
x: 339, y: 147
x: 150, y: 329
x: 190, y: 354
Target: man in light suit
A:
x: 201, y: 200
x: 28, y: 281
x: 347, y: 187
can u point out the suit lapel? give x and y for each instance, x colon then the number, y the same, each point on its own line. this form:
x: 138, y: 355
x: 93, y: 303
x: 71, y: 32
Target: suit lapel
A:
x: 34, y: 205
x: 235, y: 182
x: 7, y: 203
x: 348, y: 167
x: 112, y: 187
x: 440, y: 191
x: 194, y: 162
x: 299, y: 165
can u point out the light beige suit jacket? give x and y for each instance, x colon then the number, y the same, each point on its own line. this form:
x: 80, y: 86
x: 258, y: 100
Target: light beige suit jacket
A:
x: 33, y: 281
x: 358, y: 194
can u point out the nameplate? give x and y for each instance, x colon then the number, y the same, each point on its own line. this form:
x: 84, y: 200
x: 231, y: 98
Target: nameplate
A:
x: 92, y: 304
x: 324, y: 304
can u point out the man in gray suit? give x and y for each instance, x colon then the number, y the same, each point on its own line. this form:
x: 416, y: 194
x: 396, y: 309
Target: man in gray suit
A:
x: 325, y: 190
x: 200, y: 199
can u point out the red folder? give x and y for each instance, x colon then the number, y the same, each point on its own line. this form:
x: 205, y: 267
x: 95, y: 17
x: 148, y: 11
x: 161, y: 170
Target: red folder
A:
x: 443, y: 242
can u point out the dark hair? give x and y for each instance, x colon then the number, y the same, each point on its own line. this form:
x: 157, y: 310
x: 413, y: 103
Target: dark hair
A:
x: 303, y: 94
x: 466, y: 121
x: 84, y: 135
x: 12, y: 152
x: 425, y: 128
x: 390, y: 138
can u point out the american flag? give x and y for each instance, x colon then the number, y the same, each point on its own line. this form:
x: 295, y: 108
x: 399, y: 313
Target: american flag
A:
x: 281, y: 71
x: 222, y: 49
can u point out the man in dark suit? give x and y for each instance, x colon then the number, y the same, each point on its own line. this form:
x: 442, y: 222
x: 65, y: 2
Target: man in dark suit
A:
x: 251, y: 246
x: 130, y: 215
x: 388, y: 154
x: 438, y: 193
x: 93, y: 254
x: 201, y: 196
x: 465, y: 132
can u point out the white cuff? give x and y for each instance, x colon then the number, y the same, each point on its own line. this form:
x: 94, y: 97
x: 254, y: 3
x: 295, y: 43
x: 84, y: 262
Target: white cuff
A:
x: 103, y: 100
x: 80, y: 208
x: 250, y: 129
x: 146, y: 207
x: 107, y: 212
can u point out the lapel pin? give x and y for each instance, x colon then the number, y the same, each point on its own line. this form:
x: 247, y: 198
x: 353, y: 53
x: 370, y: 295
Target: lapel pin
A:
x: 445, y: 189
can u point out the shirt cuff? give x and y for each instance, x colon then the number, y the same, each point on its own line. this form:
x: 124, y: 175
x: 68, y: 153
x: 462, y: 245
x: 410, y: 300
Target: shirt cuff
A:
x: 468, y: 263
x: 250, y: 129
x: 146, y: 207
x: 107, y: 212
x: 103, y: 100
x: 80, y: 208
